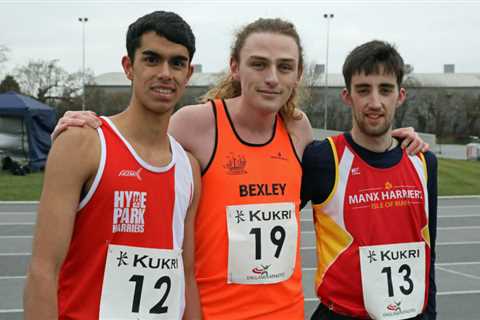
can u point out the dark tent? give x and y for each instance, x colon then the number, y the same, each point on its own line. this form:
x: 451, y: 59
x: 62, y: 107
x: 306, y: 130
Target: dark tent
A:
x: 37, y: 121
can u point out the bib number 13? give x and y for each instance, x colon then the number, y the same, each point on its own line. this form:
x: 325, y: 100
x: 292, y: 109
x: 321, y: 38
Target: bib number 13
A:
x: 158, y: 308
x: 405, y: 271
x: 277, y: 237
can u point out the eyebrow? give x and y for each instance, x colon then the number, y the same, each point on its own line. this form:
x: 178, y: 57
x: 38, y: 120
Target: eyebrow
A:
x: 266, y: 59
x: 366, y: 85
x: 152, y: 53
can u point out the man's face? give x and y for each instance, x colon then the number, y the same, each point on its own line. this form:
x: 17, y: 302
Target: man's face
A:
x: 159, y: 73
x: 373, y: 99
x: 267, y: 70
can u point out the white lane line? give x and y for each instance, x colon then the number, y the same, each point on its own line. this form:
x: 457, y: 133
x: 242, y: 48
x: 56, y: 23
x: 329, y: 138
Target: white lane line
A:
x: 444, y: 216
x: 12, y: 213
x: 459, y: 228
x: 17, y: 223
x: 12, y: 254
x: 452, y: 293
x: 441, y: 264
x: 466, y: 275
x: 443, y: 293
x: 439, y: 228
x: 16, y: 237
x: 10, y: 310
x: 13, y: 277
x: 456, y: 243
x: 460, y: 206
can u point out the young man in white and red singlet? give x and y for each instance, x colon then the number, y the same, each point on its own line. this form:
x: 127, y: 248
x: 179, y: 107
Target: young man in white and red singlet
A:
x: 118, y: 203
x: 374, y: 205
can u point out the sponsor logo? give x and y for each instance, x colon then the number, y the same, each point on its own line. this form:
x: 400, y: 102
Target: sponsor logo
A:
x: 393, y: 309
x: 147, y: 262
x: 395, y: 306
x: 355, y: 171
x: 261, y: 273
x: 262, y: 270
x: 279, y: 156
x: 131, y: 173
x: 235, y: 164
x: 129, y: 211
x: 388, y: 185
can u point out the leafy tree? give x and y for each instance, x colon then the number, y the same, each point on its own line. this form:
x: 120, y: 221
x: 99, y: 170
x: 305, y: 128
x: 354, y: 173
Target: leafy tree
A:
x: 9, y: 84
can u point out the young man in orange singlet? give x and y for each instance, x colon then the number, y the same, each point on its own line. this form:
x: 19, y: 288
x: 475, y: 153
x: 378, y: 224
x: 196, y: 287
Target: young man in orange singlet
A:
x: 118, y: 204
x: 248, y: 145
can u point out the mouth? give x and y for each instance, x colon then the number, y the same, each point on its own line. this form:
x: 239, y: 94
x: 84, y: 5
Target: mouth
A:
x: 269, y: 92
x: 162, y: 91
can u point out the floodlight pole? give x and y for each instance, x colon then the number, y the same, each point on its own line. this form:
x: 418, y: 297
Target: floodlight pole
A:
x: 328, y: 16
x: 84, y: 22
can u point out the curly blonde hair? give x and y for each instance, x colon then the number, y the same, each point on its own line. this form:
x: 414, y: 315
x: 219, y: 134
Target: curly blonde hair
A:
x: 227, y: 87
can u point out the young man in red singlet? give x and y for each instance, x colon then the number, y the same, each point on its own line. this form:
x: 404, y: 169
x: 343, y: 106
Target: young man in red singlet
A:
x: 374, y: 205
x: 249, y: 141
x: 118, y: 204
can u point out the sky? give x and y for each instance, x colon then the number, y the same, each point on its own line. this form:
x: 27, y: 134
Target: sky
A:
x: 428, y: 34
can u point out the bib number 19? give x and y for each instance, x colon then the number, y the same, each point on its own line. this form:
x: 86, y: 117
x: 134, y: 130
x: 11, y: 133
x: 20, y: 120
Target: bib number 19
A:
x: 277, y: 236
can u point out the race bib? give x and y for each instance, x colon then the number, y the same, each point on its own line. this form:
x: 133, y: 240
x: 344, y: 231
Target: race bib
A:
x: 142, y: 283
x: 262, y: 242
x: 393, y: 280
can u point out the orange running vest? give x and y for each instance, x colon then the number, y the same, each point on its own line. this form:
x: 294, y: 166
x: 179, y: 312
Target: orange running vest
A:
x: 241, y: 173
x: 152, y: 202
x: 367, y: 207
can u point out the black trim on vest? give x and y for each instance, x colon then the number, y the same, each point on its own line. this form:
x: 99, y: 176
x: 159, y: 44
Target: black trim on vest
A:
x: 243, y: 141
x: 291, y: 141
x: 214, y: 109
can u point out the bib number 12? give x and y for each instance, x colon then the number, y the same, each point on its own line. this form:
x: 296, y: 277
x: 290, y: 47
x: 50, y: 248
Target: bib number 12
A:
x: 158, y: 308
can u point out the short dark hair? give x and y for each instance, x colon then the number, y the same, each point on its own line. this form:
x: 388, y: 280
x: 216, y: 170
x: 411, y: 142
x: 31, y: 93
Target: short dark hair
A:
x: 165, y: 24
x: 369, y: 57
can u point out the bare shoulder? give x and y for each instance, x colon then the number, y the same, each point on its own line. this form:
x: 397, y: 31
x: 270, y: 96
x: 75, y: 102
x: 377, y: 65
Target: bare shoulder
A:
x: 300, y: 131
x: 193, y: 126
x: 76, y: 148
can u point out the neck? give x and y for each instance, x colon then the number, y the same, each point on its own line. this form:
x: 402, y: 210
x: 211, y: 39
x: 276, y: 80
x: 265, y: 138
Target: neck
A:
x: 143, y: 127
x: 379, y: 144
x: 251, y: 124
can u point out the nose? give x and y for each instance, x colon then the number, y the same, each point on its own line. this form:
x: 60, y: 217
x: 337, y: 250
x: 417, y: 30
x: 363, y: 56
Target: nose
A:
x: 271, y: 78
x: 164, y: 71
x: 375, y: 99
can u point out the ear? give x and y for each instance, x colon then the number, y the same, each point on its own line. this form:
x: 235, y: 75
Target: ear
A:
x: 234, y: 69
x: 346, y: 97
x: 402, y: 96
x: 127, y: 67
x: 190, y: 72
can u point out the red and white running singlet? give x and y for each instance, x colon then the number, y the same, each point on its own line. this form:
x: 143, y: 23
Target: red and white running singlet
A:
x: 124, y: 259
x: 373, y: 243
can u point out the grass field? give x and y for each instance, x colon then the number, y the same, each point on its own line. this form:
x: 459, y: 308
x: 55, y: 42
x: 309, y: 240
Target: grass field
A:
x: 456, y: 177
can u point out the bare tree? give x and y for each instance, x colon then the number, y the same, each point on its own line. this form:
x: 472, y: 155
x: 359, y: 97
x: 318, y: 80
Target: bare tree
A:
x: 48, y: 82
x: 3, y: 55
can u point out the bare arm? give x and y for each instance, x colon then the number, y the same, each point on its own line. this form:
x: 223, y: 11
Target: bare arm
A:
x: 301, y: 133
x: 70, y: 165
x: 192, y: 309
x: 194, y: 128
x: 75, y: 119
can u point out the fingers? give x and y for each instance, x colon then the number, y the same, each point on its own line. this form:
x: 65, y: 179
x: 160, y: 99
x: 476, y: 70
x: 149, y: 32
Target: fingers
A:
x: 75, y: 119
x: 89, y: 118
